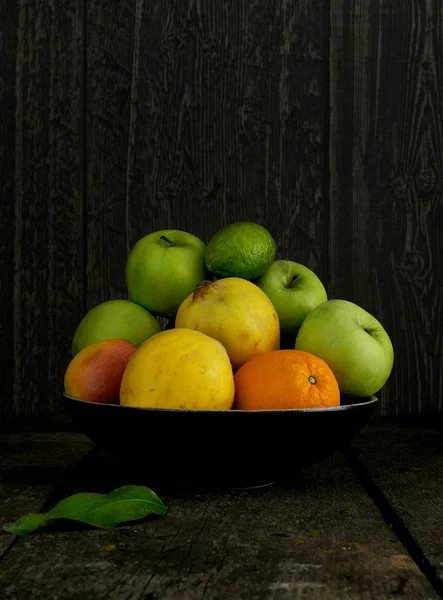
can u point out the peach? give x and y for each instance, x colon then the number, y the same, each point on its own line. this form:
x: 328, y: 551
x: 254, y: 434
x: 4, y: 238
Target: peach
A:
x: 95, y: 373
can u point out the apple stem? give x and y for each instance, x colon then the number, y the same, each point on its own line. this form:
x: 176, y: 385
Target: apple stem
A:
x: 201, y: 289
x: 165, y: 239
x: 293, y: 280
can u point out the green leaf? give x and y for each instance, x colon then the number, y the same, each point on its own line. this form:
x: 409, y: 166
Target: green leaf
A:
x: 127, y: 503
x: 26, y: 524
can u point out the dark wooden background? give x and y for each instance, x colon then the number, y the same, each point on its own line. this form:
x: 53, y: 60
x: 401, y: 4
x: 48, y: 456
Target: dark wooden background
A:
x: 321, y: 120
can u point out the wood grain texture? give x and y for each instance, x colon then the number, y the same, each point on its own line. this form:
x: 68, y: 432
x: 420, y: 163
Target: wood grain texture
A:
x: 228, y: 106
x: 109, y: 49
x: 403, y: 467
x: 8, y: 52
x: 49, y: 290
x: 49, y: 286
x: 318, y: 537
x: 387, y: 182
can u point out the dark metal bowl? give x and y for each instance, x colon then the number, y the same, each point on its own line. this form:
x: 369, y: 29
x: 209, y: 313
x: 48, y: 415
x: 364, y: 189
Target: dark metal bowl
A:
x: 230, y: 448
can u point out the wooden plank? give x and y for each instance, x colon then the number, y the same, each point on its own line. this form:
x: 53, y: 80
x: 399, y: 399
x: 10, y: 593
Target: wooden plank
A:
x: 66, y: 258
x: 32, y: 465
x: 8, y: 82
x: 227, y: 114
x: 402, y: 465
x: 319, y: 536
x: 109, y: 41
x: 49, y: 283
x: 386, y: 183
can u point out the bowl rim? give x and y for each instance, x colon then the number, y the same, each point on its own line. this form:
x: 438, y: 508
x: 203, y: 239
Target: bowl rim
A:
x: 372, y: 400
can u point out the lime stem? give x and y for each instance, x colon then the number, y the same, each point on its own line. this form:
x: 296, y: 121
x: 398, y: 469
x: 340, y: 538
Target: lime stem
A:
x: 165, y: 239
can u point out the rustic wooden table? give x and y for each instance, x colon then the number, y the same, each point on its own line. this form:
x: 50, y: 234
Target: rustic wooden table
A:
x: 363, y: 524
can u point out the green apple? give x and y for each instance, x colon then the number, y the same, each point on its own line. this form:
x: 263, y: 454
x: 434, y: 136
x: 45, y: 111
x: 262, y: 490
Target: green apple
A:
x: 115, y: 319
x: 294, y: 290
x: 163, y: 268
x: 352, y: 342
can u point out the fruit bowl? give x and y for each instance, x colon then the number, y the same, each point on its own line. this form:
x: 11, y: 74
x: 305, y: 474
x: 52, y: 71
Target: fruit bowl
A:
x: 217, y: 449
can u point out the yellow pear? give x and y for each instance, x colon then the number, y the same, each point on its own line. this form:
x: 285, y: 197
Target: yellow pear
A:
x: 235, y: 312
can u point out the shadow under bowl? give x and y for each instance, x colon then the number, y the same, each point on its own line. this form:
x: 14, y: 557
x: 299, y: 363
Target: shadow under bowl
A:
x: 220, y: 449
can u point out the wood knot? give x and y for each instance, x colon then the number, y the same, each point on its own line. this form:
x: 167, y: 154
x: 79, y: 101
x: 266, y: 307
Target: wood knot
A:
x: 426, y: 180
x: 398, y: 186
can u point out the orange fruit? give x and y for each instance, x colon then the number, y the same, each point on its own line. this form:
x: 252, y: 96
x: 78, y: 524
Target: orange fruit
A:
x: 283, y: 379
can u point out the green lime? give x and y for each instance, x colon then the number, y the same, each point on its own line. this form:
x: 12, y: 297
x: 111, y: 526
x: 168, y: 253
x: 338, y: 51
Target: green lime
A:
x: 242, y: 249
x: 115, y: 319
